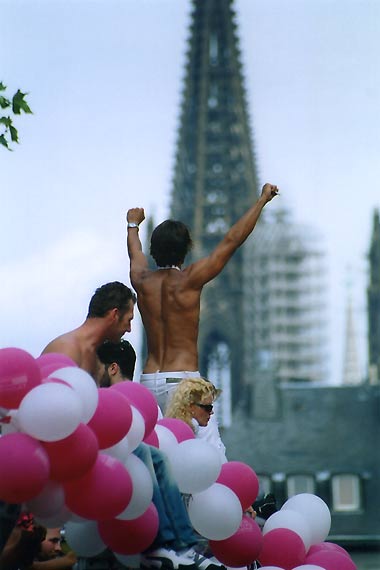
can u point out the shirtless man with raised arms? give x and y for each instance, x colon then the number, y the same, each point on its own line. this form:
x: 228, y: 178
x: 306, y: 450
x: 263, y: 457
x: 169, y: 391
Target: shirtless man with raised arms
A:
x: 169, y: 297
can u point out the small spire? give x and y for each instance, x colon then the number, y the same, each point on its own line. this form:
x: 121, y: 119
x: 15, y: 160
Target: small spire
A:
x: 351, y: 368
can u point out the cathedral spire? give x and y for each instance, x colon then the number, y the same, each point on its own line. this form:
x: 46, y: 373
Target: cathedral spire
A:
x: 373, y: 297
x: 215, y: 178
x: 351, y: 368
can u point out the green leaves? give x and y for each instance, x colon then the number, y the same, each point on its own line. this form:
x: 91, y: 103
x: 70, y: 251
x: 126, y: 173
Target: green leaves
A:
x: 18, y: 105
x: 4, y: 142
x: 4, y: 103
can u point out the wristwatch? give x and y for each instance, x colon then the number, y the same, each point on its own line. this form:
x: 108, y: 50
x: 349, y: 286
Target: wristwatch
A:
x: 132, y: 225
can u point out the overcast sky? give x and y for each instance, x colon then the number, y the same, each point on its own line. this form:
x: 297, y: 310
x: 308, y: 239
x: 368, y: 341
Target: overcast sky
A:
x: 104, y: 79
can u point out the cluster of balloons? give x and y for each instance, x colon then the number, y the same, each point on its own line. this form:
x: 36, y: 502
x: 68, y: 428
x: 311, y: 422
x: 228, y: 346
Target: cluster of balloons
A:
x: 66, y: 446
x: 293, y: 538
x: 65, y: 451
x: 66, y: 454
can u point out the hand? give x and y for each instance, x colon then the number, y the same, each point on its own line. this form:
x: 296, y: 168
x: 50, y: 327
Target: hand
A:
x: 70, y: 557
x: 250, y: 512
x: 269, y: 191
x: 136, y: 215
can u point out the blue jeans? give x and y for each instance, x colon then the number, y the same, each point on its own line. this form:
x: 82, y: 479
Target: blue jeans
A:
x: 175, y: 530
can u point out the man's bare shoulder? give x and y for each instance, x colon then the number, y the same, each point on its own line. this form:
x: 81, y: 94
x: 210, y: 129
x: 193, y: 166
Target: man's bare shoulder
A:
x: 191, y: 278
x: 67, y: 343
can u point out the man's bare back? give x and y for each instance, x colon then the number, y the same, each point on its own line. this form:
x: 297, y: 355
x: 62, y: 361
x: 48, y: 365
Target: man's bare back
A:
x: 170, y: 313
x: 169, y: 297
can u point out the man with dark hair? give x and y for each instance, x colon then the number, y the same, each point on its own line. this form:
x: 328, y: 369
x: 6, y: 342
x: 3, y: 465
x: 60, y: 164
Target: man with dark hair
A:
x: 119, y: 360
x: 109, y: 316
x: 170, y: 243
x: 51, y: 555
x: 110, y: 296
x: 169, y: 297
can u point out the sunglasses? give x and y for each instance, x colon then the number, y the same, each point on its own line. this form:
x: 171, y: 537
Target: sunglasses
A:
x: 208, y: 407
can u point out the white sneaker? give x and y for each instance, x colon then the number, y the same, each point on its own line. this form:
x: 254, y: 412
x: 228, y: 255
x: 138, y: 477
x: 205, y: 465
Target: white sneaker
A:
x: 167, y: 560
x: 203, y: 562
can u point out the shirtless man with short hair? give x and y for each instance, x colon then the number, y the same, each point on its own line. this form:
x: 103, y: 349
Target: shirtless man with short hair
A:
x: 109, y: 316
x: 110, y: 313
x: 169, y: 297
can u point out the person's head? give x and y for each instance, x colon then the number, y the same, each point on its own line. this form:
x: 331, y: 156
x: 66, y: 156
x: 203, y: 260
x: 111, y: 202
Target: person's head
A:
x: 193, y: 399
x: 170, y: 243
x: 118, y: 361
x: 51, y: 546
x: 114, y: 301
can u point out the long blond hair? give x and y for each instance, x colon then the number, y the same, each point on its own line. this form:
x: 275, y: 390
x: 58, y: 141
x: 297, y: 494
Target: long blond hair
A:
x: 189, y: 391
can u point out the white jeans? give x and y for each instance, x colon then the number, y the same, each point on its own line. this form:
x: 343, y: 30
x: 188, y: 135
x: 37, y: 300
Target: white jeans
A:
x: 163, y: 384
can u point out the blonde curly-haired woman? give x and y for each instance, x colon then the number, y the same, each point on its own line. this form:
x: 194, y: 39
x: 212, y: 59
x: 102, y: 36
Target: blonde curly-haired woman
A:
x: 193, y: 402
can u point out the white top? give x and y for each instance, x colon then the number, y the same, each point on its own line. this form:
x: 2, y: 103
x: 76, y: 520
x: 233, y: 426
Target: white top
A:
x: 210, y: 433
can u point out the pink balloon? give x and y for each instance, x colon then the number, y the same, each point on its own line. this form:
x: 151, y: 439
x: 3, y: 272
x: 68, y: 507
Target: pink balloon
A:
x: 112, y: 418
x: 181, y: 429
x: 242, y: 548
x: 152, y: 439
x: 103, y: 492
x: 74, y: 455
x: 331, y: 560
x: 142, y: 399
x: 24, y: 467
x: 242, y: 480
x: 52, y: 361
x: 314, y: 548
x: 282, y: 547
x: 130, y: 537
x: 19, y: 373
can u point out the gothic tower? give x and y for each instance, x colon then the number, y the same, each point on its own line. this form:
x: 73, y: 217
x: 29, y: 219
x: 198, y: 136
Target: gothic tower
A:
x: 215, y: 179
x: 374, y: 302
x: 351, y: 367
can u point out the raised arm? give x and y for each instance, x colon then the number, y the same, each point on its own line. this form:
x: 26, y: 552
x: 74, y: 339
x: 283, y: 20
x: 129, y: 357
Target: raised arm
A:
x: 65, y: 562
x: 202, y: 271
x: 139, y: 263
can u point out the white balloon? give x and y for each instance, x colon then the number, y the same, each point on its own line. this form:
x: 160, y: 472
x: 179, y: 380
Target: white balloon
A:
x: 215, y: 513
x: 315, y: 511
x: 137, y: 430
x: 307, y: 567
x: 84, y: 538
x: 142, y: 493
x: 291, y: 520
x: 119, y: 451
x: 196, y: 465
x: 166, y: 438
x: 130, y: 561
x: 50, y: 412
x: 84, y: 385
x: 48, y: 502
